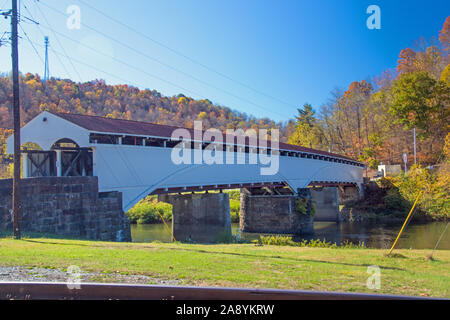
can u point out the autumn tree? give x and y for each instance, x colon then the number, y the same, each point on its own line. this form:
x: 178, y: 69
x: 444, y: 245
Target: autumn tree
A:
x: 306, y: 132
x: 419, y: 101
x: 444, y: 35
x: 406, y: 61
x: 415, y: 104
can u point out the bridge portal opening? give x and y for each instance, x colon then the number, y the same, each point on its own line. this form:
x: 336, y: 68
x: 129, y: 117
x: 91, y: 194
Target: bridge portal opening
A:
x: 35, y: 161
x: 64, y: 159
x: 71, y: 160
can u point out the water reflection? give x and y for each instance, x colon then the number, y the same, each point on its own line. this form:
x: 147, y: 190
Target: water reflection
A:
x: 375, y: 235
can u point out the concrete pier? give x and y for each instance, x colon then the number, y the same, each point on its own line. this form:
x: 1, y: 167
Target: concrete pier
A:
x: 326, y: 202
x: 203, y: 218
x: 275, y: 214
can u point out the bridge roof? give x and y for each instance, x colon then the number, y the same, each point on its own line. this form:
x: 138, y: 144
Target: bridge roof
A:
x: 131, y: 127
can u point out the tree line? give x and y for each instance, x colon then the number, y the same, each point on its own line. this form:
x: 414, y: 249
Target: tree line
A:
x: 373, y: 120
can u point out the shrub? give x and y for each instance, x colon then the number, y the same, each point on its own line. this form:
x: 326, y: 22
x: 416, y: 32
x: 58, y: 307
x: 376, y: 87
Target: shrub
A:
x: 234, y: 195
x: 435, y: 200
x: 394, y: 202
x: 235, y: 204
x: 234, y: 210
x: 149, y: 210
x: 396, y: 195
x: 277, y: 240
x: 301, y: 206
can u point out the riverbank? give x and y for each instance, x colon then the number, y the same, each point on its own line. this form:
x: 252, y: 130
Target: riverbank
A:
x: 375, y: 234
x: 409, y: 272
x: 390, y: 199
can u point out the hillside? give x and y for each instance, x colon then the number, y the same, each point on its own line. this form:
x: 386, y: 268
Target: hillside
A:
x: 118, y: 101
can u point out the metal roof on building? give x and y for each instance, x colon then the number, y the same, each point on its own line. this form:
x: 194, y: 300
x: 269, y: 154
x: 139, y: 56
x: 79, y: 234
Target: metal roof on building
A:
x: 130, y: 127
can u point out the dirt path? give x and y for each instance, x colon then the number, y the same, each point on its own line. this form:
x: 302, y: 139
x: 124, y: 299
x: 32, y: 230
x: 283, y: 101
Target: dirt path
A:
x: 32, y: 274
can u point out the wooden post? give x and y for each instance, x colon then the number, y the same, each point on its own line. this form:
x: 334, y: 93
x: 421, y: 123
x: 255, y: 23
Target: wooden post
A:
x: 17, y: 205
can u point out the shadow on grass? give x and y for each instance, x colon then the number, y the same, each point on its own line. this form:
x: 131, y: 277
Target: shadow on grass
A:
x: 38, y: 235
x: 287, y: 258
x: 248, y: 255
x: 35, y: 236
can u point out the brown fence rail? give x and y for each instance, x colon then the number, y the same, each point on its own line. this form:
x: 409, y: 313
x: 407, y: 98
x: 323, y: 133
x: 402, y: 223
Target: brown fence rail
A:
x: 91, y: 291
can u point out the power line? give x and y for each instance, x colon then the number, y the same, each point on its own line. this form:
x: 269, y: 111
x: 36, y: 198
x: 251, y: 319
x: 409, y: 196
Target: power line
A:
x: 29, y: 40
x: 57, y: 39
x: 184, y: 56
x: 100, y: 70
x: 3, y: 13
x: 43, y: 35
x: 168, y: 66
x: 112, y: 57
x: 128, y: 65
x: 88, y: 65
x: 118, y: 77
x: 92, y: 67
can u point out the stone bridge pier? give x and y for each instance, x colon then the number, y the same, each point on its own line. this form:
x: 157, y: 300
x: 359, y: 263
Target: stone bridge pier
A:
x: 275, y: 211
x: 327, y: 200
x: 279, y: 211
x: 66, y: 206
x: 203, y: 218
x: 350, y: 193
x: 326, y: 203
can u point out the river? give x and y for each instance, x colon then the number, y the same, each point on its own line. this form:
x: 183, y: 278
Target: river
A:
x: 374, y: 235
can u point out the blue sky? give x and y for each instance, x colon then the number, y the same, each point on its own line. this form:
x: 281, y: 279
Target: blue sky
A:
x: 262, y: 57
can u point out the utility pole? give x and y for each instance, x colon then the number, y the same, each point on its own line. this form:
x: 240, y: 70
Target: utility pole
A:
x: 47, y: 69
x: 16, y: 198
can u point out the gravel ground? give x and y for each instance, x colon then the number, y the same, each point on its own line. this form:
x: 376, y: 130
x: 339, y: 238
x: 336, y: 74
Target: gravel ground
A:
x: 30, y: 274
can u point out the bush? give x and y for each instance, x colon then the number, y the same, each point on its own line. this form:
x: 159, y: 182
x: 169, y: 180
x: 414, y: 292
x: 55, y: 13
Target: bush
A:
x: 435, y: 200
x: 149, y: 210
x: 234, y: 195
x: 301, y: 206
x: 394, y: 202
x: 234, y: 210
x: 277, y: 240
x: 235, y: 204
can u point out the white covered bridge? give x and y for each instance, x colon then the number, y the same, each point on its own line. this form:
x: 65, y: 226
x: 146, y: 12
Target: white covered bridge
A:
x: 138, y: 159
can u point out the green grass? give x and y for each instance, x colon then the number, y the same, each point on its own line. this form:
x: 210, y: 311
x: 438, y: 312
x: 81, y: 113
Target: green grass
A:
x: 242, y: 265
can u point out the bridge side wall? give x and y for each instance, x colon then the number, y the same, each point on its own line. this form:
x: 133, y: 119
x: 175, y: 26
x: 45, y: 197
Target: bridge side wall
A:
x: 66, y: 206
x: 137, y: 171
x: 203, y: 218
x: 274, y: 214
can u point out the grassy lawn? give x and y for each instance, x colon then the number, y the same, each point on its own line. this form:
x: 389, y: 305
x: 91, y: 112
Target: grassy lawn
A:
x: 409, y: 272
